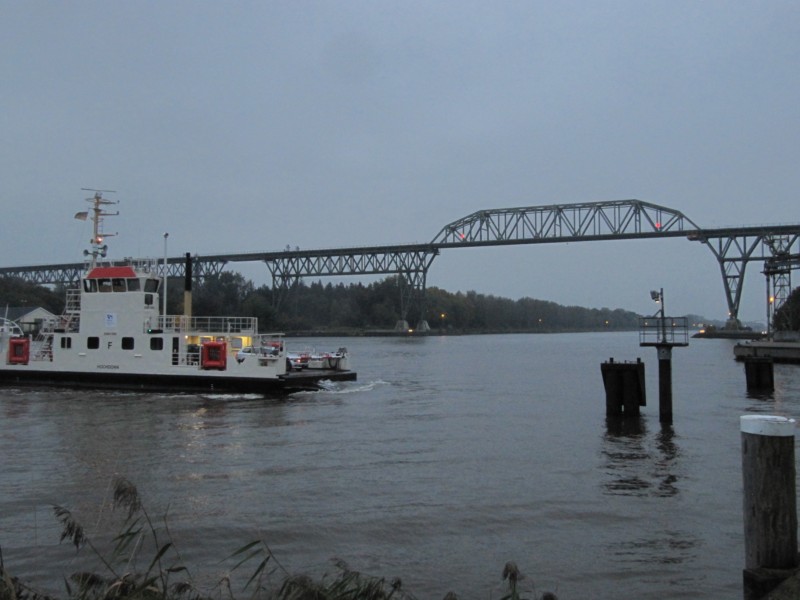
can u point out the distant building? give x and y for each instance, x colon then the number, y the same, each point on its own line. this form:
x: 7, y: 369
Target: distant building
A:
x: 30, y: 319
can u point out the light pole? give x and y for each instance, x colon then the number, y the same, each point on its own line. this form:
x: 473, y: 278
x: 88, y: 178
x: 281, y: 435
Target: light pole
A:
x: 164, y: 299
x: 658, y: 298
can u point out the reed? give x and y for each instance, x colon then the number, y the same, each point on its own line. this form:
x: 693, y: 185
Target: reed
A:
x: 142, y: 541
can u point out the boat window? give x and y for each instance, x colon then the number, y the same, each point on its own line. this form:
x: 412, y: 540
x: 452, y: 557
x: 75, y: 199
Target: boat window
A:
x: 66, y: 342
x: 151, y: 285
x: 148, y: 299
x: 89, y: 285
x: 156, y: 343
x: 133, y: 285
x: 104, y: 285
x: 93, y: 343
x: 127, y: 343
x: 118, y: 284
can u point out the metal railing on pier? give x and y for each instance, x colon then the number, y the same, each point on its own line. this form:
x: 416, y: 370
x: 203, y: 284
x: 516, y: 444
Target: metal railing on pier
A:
x: 666, y: 331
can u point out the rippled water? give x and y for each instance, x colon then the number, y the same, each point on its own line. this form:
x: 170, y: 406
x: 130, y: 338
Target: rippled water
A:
x: 449, y: 457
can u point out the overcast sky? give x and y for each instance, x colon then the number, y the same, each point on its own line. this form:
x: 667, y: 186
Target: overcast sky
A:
x: 247, y: 126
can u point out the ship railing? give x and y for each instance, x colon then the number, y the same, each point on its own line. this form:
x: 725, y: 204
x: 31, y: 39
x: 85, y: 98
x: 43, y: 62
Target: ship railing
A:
x: 143, y: 265
x: 217, y: 325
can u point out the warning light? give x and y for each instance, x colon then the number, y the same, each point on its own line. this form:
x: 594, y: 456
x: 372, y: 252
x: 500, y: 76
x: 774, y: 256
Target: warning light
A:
x: 658, y: 224
x: 461, y: 235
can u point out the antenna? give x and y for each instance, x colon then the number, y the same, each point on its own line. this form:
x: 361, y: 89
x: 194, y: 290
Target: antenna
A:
x: 97, y: 201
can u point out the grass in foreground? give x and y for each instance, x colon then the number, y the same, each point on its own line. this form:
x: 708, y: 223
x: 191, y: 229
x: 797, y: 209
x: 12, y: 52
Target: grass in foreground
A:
x: 141, y: 542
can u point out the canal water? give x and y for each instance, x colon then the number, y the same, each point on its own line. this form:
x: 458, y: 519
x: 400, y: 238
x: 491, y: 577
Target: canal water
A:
x: 447, y: 458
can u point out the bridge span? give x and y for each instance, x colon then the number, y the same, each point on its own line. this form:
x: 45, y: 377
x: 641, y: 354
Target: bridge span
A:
x: 733, y: 248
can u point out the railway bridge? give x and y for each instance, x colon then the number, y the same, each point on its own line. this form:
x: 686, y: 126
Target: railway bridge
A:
x: 775, y: 246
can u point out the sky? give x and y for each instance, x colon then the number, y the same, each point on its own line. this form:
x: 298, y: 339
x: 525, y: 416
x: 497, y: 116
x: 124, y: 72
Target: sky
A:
x: 250, y: 126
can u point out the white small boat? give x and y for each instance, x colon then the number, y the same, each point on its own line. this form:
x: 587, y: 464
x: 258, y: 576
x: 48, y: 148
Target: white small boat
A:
x: 112, y: 334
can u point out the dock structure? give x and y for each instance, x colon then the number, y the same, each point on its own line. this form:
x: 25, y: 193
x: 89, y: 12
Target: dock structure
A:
x: 775, y: 350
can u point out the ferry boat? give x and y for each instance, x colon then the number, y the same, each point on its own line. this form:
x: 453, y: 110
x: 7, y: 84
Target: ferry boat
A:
x: 113, y: 334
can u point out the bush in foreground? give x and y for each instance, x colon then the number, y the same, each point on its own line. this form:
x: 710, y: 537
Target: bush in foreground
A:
x: 141, y: 541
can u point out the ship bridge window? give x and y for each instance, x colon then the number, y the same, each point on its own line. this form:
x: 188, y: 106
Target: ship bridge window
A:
x: 118, y: 285
x: 151, y: 285
x: 89, y: 285
x: 133, y: 285
x: 104, y: 285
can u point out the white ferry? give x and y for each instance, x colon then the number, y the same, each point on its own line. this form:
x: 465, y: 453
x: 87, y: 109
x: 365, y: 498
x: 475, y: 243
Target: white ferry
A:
x: 113, y: 334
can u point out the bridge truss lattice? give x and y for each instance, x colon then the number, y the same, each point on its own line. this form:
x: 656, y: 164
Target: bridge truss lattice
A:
x: 733, y: 248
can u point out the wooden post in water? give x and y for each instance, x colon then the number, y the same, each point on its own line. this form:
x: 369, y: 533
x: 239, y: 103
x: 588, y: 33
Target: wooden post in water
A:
x: 625, y: 387
x: 769, y: 503
x: 758, y: 372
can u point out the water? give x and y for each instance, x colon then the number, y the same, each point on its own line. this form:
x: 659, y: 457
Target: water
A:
x: 449, y: 457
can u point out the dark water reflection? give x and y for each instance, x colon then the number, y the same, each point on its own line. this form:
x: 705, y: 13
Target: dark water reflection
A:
x: 449, y: 457
x: 639, y: 463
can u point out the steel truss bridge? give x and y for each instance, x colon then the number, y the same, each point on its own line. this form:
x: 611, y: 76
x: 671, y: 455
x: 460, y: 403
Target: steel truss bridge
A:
x: 775, y: 246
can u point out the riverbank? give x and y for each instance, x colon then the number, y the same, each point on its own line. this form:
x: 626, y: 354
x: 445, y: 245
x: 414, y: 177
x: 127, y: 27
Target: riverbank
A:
x: 435, y: 332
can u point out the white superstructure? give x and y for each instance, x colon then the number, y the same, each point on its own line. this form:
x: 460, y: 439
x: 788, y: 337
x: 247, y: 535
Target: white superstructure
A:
x: 112, y: 333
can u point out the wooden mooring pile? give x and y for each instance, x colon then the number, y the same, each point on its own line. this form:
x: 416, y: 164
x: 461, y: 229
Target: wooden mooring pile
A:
x: 624, y: 383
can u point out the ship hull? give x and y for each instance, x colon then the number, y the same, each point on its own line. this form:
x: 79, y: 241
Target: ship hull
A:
x: 199, y: 383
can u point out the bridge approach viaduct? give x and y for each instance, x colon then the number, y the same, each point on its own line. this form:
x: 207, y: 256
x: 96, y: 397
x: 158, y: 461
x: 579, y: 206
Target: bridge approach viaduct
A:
x: 775, y: 246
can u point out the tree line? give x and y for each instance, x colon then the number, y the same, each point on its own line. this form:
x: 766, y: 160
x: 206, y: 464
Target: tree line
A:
x: 316, y: 306
x: 376, y: 306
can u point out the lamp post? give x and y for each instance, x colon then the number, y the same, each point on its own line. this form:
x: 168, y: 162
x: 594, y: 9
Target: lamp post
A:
x: 166, y: 274
x: 658, y: 298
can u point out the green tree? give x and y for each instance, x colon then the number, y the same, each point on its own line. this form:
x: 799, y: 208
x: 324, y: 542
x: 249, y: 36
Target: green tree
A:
x: 221, y: 295
x: 787, y: 317
x: 18, y: 292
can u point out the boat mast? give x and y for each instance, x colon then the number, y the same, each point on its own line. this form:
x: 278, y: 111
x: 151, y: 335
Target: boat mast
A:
x: 98, y: 235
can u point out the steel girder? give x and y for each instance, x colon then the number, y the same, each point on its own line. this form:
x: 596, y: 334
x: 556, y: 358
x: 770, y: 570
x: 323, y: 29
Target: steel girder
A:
x: 617, y: 219
x: 351, y: 261
x: 410, y: 261
x: 778, y: 272
x: 735, y: 247
x: 70, y: 273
